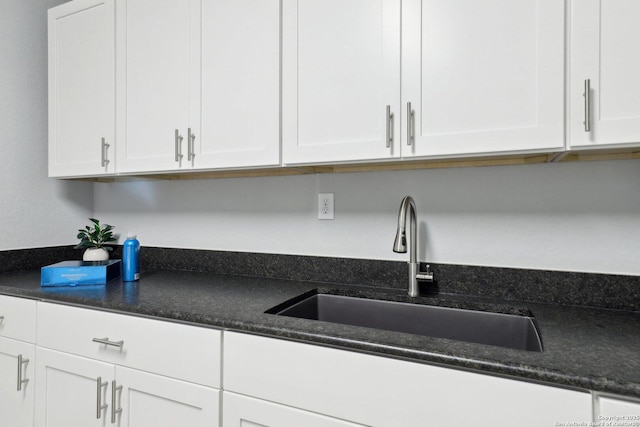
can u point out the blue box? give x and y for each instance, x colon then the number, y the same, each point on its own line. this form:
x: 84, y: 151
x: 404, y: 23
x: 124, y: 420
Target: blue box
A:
x: 78, y: 273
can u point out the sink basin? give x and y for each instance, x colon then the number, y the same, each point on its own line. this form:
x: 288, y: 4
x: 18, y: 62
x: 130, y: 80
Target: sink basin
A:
x: 516, y: 331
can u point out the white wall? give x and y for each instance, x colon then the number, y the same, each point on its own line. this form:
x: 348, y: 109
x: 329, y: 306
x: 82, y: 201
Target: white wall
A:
x: 34, y: 211
x: 572, y: 217
x: 582, y: 217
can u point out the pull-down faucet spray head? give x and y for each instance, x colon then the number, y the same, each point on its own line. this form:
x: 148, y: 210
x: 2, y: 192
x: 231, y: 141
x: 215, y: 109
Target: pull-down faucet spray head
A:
x: 400, y: 244
x: 407, y: 206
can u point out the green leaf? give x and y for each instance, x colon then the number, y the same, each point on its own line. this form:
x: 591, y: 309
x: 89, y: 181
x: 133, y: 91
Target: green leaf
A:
x: 96, y: 236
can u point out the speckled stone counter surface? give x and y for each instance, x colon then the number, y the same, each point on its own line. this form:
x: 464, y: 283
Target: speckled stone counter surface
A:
x: 584, y: 348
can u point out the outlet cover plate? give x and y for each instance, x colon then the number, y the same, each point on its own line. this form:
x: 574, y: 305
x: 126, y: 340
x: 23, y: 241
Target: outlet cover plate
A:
x: 325, y: 206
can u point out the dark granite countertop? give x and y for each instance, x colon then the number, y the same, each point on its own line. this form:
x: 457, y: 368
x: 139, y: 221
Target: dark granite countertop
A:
x: 584, y: 348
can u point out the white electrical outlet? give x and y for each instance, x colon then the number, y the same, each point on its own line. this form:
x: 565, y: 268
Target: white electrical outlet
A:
x: 325, y: 205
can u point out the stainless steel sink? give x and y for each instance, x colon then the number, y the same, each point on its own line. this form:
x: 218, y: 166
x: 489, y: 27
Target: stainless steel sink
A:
x: 485, y: 327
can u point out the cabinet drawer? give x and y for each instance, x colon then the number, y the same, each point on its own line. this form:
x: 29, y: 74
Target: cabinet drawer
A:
x: 374, y: 390
x: 18, y: 318
x: 185, y: 352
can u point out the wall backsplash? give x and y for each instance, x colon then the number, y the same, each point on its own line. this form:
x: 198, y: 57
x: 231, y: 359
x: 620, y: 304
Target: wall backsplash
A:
x: 539, y: 286
x: 569, y: 217
x: 518, y: 285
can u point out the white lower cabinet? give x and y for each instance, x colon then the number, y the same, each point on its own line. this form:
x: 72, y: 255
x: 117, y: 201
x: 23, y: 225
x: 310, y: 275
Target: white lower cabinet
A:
x: 97, y: 369
x: 16, y: 396
x: 17, y: 361
x: 153, y: 400
x: 18, y: 318
x: 67, y: 392
x: 138, y: 372
x: 379, y: 391
x: 76, y: 391
x: 243, y: 411
x: 616, y: 411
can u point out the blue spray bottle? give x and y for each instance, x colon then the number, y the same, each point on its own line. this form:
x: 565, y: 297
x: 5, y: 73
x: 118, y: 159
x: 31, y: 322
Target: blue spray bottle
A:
x: 131, y: 259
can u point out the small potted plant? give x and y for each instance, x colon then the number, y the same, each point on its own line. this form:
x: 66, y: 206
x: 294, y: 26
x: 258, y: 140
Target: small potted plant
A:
x: 93, y: 239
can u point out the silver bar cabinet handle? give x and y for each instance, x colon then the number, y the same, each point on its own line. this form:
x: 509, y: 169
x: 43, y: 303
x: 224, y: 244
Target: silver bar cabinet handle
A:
x: 389, y: 126
x: 106, y: 341
x: 178, y: 138
x: 21, y: 361
x: 114, y: 391
x: 191, y: 137
x: 99, y: 405
x: 587, y: 105
x: 103, y: 153
x: 410, y: 125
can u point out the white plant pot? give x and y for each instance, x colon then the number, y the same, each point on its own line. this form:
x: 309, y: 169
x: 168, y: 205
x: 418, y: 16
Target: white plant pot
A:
x: 95, y: 254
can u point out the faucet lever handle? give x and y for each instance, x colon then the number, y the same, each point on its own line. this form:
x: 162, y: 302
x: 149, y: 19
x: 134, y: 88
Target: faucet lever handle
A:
x: 426, y: 275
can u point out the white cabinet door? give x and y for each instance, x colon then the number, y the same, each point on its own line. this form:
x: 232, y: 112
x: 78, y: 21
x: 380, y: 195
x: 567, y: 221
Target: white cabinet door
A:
x: 67, y: 395
x: 152, y: 400
x: 240, y: 84
x: 616, y: 411
x: 341, y: 69
x: 67, y: 392
x: 16, y: 399
x: 82, y: 88
x: 605, y: 41
x: 18, y: 318
x: 158, y: 73
x: 147, y: 344
x: 482, y: 77
x: 379, y: 391
x: 243, y: 411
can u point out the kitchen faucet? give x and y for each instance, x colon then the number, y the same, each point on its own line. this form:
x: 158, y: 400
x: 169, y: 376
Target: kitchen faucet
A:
x: 408, y: 206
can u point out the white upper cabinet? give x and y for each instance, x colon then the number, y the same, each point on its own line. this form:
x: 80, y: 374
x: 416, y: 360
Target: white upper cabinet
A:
x: 476, y: 78
x: 605, y: 41
x: 240, y: 84
x: 142, y: 86
x: 341, y: 71
x: 482, y: 77
x: 199, y: 84
x: 82, y: 88
x: 158, y: 71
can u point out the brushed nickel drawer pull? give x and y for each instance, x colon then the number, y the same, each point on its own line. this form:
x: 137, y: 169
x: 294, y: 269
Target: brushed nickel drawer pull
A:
x: 21, y: 380
x: 99, y: 405
x: 104, y: 160
x: 389, y: 126
x: 191, y: 152
x: 587, y: 105
x: 178, y: 142
x: 106, y: 341
x: 410, y: 124
x: 114, y: 390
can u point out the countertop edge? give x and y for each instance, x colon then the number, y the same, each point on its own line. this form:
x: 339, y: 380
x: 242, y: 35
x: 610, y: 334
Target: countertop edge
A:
x: 519, y: 372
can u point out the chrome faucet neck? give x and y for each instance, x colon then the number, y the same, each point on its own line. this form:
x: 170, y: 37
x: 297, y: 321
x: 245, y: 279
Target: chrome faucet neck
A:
x: 408, y: 207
